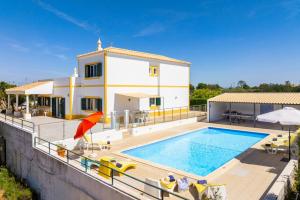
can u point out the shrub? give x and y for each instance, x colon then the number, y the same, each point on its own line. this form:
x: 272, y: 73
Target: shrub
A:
x: 13, y: 189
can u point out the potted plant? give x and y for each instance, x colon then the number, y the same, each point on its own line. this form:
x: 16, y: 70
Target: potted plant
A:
x: 61, y: 150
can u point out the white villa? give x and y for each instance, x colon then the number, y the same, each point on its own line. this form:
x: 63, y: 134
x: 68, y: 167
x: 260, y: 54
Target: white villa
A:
x: 112, y: 79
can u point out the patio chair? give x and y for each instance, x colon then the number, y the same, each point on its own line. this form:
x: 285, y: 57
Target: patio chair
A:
x: 211, y: 191
x: 281, y: 143
x: 89, y: 143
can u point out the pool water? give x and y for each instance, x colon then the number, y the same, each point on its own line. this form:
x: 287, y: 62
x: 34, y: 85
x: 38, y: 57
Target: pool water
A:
x: 199, y: 152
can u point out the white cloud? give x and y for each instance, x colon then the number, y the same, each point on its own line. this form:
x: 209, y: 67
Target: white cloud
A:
x: 18, y: 47
x: 82, y: 24
x: 151, y: 30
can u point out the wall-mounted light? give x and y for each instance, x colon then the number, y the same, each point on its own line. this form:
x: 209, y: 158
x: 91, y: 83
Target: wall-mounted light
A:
x: 129, y: 99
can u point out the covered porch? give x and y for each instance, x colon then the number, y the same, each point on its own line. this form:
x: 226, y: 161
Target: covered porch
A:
x: 242, y: 108
x: 30, y: 91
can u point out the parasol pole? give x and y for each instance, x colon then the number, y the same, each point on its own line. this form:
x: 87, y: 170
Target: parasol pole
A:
x: 92, y: 140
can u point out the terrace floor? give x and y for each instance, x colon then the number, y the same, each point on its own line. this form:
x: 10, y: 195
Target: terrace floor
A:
x: 248, y: 176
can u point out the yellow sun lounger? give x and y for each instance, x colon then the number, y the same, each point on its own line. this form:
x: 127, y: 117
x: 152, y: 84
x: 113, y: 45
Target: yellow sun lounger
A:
x: 211, y: 191
x: 108, y: 163
x: 167, y: 184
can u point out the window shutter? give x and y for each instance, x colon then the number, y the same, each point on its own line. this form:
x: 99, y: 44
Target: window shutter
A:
x: 99, y: 69
x: 152, y: 101
x: 83, y: 104
x: 86, y: 71
x: 158, y: 101
x: 99, y: 104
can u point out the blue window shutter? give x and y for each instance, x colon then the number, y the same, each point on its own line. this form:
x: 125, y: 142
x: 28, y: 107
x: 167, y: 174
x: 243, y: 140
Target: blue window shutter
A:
x: 83, y: 104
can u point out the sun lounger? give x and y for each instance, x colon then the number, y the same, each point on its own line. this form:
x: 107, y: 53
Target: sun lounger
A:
x: 211, y: 191
x: 152, y: 186
x: 100, y: 144
x: 108, y: 163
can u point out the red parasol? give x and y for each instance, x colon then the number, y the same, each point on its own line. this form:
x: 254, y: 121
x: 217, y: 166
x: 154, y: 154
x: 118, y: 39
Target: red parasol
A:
x: 87, y: 123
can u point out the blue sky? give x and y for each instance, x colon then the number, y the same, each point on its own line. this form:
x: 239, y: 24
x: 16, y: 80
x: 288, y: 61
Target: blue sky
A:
x: 226, y: 40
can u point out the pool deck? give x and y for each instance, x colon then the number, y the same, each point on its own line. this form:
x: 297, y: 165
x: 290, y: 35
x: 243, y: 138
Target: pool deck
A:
x: 248, y: 176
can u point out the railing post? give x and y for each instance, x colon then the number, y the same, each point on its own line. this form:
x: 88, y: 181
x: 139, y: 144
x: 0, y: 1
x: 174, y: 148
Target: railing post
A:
x: 180, y: 113
x: 22, y: 122
x: 33, y: 127
x: 85, y: 164
x: 64, y: 130
x: 12, y: 119
x: 187, y: 112
x: 39, y: 130
x: 67, y: 155
x: 49, y: 147
x: 35, y: 141
x: 112, y: 176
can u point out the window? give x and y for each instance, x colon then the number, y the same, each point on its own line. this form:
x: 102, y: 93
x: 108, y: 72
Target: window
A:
x: 93, y: 70
x: 155, y: 101
x: 44, y: 101
x: 93, y: 104
x: 153, y: 71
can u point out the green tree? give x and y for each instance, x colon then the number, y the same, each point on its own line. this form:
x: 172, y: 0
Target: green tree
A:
x: 201, y: 86
x: 243, y: 84
x: 192, y: 89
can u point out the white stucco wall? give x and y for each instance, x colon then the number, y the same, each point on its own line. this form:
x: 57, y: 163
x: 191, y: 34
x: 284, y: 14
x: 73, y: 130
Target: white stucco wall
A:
x: 51, y: 178
x: 126, y: 74
x: 215, y: 111
x: 244, y: 108
x: 131, y: 75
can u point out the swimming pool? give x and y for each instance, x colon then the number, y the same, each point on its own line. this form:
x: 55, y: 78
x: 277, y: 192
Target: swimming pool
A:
x: 199, y: 152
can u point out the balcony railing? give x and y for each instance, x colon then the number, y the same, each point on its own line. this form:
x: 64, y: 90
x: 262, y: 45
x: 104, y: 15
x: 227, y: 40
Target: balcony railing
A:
x: 128, y: 184
x: 21, y: 123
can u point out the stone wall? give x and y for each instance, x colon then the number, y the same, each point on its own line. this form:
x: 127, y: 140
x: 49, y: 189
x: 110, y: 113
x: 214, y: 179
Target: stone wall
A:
x: 51, y: 178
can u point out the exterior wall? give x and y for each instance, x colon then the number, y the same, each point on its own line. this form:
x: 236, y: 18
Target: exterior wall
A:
x: 51, y: 178
x: 122, y: 103
x: 131, y: 75
x: 244, y: 108
x: 125, y: 74
x: 61, y: 89
x: 215, y: 111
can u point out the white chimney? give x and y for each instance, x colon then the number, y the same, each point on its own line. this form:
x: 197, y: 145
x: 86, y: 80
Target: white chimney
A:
x: 99, y: 47
x: 75, y: 72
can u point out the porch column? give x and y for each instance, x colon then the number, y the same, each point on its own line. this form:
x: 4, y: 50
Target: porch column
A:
x: 50, y: 106
x: 126, y: 118
x: 8, y: 101
x: 113, y: 120
x: 27, y: 114
x: 254, y: 115
x: 230, y: 113
x: 17, y: 101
